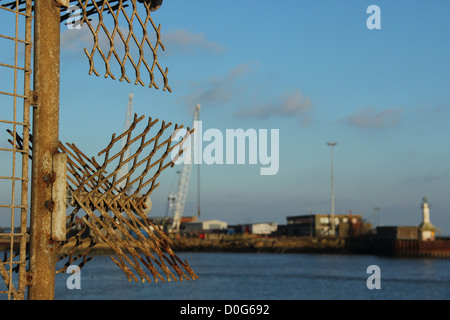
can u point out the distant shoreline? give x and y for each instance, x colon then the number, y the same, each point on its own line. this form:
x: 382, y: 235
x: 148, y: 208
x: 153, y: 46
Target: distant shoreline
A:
x: 261, y: 245
x: 285, y: 244
x: 233, y: 244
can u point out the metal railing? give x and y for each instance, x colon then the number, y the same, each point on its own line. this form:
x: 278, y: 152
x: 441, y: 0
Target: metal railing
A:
x: 15, y: 75
x: 102, y: 202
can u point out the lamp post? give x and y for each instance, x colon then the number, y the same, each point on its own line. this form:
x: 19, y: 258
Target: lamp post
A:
x: 332, y: 144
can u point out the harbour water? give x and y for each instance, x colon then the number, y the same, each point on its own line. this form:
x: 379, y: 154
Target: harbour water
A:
x: 252, y: 276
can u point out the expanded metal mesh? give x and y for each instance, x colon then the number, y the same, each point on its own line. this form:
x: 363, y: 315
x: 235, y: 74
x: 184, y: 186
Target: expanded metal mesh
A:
x: 121, y: 38
x: 15, y: 72
x: 121, y: 197
x: 109, y: 205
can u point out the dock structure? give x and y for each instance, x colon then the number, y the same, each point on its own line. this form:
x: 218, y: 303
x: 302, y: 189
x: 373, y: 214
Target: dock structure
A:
x: 413, y: 248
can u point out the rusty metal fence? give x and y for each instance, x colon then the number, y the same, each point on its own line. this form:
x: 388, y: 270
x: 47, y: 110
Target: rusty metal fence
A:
x: 113, y: 207
x: 78, y: 202
x: 15, y: 78
x: 130, y: 47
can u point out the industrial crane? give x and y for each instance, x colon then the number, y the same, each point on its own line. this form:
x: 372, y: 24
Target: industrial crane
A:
x: 125, y: 168
x: 128, y: 119
x: 178, y: 200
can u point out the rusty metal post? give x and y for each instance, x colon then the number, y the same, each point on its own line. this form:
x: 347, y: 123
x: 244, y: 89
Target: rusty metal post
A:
x: 45, y: 144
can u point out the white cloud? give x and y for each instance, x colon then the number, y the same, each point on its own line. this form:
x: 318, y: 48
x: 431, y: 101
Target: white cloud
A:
x: 76, y: 39
x: 289, y: 104
x: 370, y: 118
x: 217, y: 91
x: 175, y: 42
x: 185, y: 42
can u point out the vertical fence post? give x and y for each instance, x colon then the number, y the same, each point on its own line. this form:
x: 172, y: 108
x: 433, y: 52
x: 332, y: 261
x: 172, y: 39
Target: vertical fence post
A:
x: 45, y: 144
x: 26, y: 143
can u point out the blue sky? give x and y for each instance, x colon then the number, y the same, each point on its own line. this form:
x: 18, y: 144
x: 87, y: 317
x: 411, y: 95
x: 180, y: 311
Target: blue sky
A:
x: 311, y: 69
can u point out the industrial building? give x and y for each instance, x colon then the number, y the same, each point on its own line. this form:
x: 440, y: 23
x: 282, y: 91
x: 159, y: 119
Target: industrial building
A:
x: 319, y: 225
x: 397, y: 233
x: 206, y: 225
x: 166, y: 222
x: 262, y: 228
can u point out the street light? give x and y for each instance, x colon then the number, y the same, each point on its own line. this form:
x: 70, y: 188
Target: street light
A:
x: 332, y: 144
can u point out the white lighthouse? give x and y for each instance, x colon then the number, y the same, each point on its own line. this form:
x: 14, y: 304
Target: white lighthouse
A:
x: 427, y: 232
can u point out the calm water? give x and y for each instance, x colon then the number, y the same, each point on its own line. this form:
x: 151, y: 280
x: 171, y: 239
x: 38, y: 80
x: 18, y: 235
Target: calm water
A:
x: 243, y: 276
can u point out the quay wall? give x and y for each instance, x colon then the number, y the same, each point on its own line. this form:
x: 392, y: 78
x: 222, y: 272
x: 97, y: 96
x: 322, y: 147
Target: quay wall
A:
x: 288, y: 244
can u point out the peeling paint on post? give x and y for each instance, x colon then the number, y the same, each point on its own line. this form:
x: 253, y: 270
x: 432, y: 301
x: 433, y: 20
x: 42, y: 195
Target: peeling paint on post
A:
x: 45, y: 144
x: 59, y: 196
